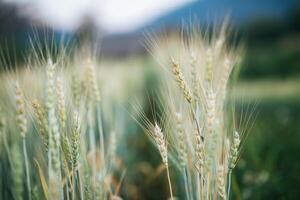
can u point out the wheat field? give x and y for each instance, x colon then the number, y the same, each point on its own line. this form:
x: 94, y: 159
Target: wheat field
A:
x: 65, y: 119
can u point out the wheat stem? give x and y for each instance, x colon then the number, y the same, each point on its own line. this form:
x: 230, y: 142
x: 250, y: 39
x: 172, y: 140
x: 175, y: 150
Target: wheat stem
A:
x: 17, y: 170
x: 100, y: 129
x: 190, y: 184
x: 92, y: 143
x: 198, y: 186
x: 186, y: 184
x: 27, y: 168
x: 73, y: 185
x: 80, y: 185
x: 6, y: 146
x: 67, y: 188
x: 169, y: 181
x: 229, y: 183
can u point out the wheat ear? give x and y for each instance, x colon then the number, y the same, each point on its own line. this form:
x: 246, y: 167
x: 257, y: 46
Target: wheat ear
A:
x: 20, y: 109
x: 42, y: 122
x: 162, y: 147
x: 61, y: 104
x: 234, y: 150
x: 93, y: 91
x: 181, y: 81
x: 181, y: 141
x: 209, y: 67
x: 199, y: 151
x: 225, y: 76
x: 75, y: 142
x: 210, y: 120
x: 194, y: 76
x: 221, y: 182
x: 233, y: 156
x: 161, y: 144
x: 22, y: 123
x: 76, y: 91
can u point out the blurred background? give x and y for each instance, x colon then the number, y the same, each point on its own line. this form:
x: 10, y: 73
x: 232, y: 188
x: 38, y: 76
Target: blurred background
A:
x: 269, y: 78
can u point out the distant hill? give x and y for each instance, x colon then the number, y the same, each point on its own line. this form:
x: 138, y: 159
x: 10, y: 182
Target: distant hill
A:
x: 17, y: 31
x: 261, y: 18
x: 209, y: 11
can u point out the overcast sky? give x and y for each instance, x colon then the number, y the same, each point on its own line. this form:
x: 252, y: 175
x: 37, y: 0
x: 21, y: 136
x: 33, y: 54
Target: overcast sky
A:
x: 112, y: 15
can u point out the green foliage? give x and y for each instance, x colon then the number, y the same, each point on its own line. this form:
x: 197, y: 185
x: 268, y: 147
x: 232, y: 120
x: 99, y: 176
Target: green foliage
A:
x: 269, y: 168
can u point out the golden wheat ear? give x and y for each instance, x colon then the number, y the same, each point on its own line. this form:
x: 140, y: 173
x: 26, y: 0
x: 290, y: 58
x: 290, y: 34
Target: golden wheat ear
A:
x: 181, y: 81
